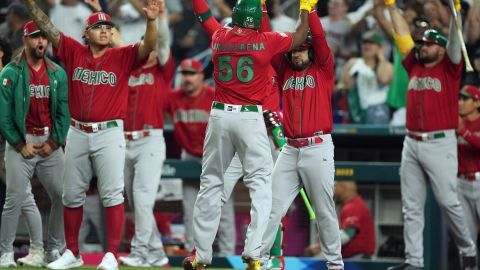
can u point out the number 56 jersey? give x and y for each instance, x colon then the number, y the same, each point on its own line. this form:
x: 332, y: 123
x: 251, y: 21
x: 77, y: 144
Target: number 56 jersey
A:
x: 241, y: 58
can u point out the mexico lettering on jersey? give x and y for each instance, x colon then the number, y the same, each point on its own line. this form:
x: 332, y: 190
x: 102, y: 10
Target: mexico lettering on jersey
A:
x: 146, y: 96
x: 190, y: 117
x: 432, y: 95
x: 38, y: 115
x: 241, y: 58
x: 97, y: 86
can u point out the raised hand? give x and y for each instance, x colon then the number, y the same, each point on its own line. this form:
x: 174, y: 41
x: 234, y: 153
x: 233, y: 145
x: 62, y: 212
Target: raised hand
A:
x: 152, y: 9
x: 307, y: 5
x: 94, y: 4
x: 161, y: 7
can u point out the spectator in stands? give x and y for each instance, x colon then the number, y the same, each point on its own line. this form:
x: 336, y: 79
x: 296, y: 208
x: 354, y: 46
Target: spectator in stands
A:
x: 473, y: 20
x: 368, y: 77
x: 12, y: 29
x: 337, y: 28
x: 69, y: 16
x: 437, y: 15
x: 356, y: 223
x: 278, y: 20
x: 189, y: 107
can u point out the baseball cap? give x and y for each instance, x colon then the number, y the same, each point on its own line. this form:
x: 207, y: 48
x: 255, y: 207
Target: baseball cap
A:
x: 435, y: 37
x: 470, y: 91
x: 191, y: 65
x: 30, y: 28
x: 98, y: 18
x: 373, y: 37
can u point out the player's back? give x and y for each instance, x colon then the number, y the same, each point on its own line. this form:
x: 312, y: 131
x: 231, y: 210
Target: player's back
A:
x: 241, y: 58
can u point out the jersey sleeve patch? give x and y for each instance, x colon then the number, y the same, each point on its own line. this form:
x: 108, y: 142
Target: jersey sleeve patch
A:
x: 6, y: 82
x: 283, y: 34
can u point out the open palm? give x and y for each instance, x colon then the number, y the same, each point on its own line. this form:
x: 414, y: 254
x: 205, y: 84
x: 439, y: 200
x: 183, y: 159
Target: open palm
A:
x: 152, y: 9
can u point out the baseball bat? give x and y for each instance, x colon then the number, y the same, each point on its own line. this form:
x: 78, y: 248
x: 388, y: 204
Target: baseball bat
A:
x: 311, y: 213
x: 468, y: 65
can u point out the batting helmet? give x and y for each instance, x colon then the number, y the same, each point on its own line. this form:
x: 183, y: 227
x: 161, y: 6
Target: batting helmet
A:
x: 307, y: 44
x: 247, y: 14
x: 433, y: 36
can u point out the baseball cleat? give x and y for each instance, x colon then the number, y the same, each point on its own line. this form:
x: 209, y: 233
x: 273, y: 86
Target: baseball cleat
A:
x: 34, y: 258
x: 66, y: 261
x: 252, y: 264
x: 190, y: 263
x: 6, y: 260
x: 51, y: 256
x: 134, y: 260
x: 276, y: 263
x: 159, y: 259
x: 109, y: 262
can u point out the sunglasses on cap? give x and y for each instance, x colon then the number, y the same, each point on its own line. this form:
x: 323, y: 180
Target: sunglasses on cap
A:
x: 186, y: 72
x: 37, y: 35
x: 101, y: 26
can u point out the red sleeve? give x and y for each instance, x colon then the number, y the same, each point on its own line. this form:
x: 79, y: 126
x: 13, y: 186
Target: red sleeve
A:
x: 409, y: 60
x: 322, y: 53
x: 168, y: 70
x: 127, y: 56
x: 265, y: 25
x: 453, y: 69
x: 349, y: 218
x: 66, y: 48
x: 472, y: 138
x: 278, y: 42
x: 204, y: 16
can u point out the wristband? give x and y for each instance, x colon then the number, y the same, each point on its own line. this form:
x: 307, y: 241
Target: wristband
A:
x: 204, y: 16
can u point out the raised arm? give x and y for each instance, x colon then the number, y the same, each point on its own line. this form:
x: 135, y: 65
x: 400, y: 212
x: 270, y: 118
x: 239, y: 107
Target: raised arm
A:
x: 300, y: 33
x: 473, y: 18
x: 320, y: 46
x: 204, y: 17
x: 43, y: 22
x: 163, y: 35
x: 454, y: 45
x: 149, y: 42
x: 265, y: 24
x: 401, y: 30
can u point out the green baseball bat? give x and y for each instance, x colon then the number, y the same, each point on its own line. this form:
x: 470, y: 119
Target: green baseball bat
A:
x: 311, y: 213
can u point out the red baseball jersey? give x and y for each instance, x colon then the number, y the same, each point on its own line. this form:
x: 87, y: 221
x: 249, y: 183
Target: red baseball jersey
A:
x: 39, y: 110
x: 95, y: 92
x: 306, y: 95
x: 355, y: 214
x: 469, y: 147
x: 432, y: 96
x: 241, y: 58
x: 190, y: 117
x: 146, y: 96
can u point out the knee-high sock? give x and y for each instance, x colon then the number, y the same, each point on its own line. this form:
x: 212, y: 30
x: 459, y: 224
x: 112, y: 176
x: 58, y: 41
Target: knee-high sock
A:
x: 277, y: 248
x: 115, y: 220
x: 72, y: 219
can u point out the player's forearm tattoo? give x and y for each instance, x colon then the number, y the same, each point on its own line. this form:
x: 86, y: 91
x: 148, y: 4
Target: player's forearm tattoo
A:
x: 42, y: 21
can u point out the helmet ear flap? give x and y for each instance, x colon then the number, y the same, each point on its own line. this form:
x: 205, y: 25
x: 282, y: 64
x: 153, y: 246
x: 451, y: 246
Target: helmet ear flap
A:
x: 310, y: 54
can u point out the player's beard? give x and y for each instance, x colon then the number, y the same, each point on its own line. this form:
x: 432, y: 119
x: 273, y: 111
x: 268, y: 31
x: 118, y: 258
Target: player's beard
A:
x: 188, y: 87
x: 427, y: 59
x: 38, y: 52
x: 301, y: 65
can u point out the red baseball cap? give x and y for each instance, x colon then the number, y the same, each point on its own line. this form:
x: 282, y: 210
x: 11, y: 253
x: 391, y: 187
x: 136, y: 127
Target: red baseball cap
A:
x: 191, y: 65
x: 98, y: 18
x: 471, y: 92
x: 30, y: 28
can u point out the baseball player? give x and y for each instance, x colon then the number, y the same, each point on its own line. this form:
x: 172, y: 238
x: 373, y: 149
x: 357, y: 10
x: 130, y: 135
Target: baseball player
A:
x: 190, y: 107
x: 98, y: 106
x: 29, y: 209
x: 240, y: 55
x: 430, y: 148
x: 306, y: 77
x: 34, y: 120
x: 146, y: 147
x: 271, y: 106
x: 468, y: 137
